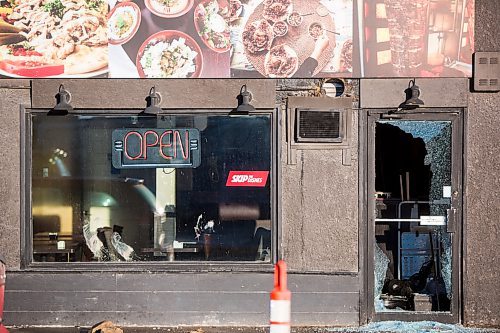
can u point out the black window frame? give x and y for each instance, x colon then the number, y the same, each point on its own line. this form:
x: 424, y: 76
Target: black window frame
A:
x: 26, y: 228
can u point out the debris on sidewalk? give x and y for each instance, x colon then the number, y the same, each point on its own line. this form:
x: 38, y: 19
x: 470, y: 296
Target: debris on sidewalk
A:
x: 199, y: 330
x: 411, y: 327
x: 106, y: 327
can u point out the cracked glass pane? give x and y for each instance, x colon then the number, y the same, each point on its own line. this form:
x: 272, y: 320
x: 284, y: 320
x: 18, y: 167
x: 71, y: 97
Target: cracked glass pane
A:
x: 412, y: 175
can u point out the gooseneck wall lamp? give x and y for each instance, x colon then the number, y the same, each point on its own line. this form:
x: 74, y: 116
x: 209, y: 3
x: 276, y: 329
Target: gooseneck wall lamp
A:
x: 63, y: 106
x: 153, y: 101
x: 413, y: 100
x: 244, y: 107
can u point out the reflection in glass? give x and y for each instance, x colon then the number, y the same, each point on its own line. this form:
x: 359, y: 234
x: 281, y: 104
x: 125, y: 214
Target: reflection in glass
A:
x: 101, y: 213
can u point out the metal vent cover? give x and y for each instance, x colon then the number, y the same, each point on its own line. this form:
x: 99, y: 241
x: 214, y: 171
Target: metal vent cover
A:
x: 486, y: 71
x: 315, y: 125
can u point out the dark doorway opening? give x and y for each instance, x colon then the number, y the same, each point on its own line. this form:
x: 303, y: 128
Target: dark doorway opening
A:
x: 412, y: 255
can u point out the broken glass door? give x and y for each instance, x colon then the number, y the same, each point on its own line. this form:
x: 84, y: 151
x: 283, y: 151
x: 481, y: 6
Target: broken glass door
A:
x: 413, y: 207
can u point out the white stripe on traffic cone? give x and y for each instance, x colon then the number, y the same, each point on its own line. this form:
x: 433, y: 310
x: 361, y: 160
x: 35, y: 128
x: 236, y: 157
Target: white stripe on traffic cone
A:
x: 280, y: 301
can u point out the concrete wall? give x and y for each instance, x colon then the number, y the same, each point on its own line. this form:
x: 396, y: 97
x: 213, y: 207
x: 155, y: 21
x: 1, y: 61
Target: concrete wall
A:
x: 13, y: 93
x: 482, y: 266
x: 83, y: 297
x: 482, y: 187
x: 319, y: 198
x: 482, y: 215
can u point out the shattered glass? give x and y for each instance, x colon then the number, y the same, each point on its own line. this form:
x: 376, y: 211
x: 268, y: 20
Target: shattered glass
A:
x: 446, y: 261
x: 437, y: 138
x: 410, y: 327
x: 439, y: 159
x: 381, y: 264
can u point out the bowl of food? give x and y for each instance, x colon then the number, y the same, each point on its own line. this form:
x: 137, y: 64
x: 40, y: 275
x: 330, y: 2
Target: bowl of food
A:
x: 294, y: 19
x: 169, y: 54
x: 278, y: 10
x: 280, y: 28
x: 211, y: 25
x: 315, y: 30
x: 169, y: 8
x: 281, y: 61
x: 123, y: 22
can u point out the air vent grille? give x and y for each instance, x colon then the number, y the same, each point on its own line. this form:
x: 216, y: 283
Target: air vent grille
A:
x: 486, y: 71
x: 319, y: 125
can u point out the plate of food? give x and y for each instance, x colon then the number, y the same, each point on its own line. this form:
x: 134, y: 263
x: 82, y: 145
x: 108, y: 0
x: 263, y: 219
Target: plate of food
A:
x: 211, y: 23
x: 346, y: 56
x: 169, y: 8
x: 123, y: 22
x: 277, y: 10
x: 281, y: 61
x: 235, y: 10
x: 169, y: 54
x: 258, y: 36
x: 54, y: 38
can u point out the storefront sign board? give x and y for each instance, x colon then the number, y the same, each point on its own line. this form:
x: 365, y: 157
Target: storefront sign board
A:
x: 237, y: 38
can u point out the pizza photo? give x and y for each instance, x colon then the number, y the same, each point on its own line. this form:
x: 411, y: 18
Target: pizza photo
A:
x: 55, y: 37
x: 281, y: 61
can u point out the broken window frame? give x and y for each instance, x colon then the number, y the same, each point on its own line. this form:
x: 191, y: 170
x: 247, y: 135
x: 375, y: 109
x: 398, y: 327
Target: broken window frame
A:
x: 26, y: 227
x: 368, y: 118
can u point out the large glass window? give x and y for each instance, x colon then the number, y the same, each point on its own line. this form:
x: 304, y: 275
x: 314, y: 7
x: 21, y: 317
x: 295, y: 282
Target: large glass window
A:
x: 192, y: 187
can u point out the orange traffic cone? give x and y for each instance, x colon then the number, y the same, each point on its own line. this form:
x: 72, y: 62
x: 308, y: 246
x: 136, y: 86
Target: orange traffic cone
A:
x: 280, y: 301
x: 2, y: 293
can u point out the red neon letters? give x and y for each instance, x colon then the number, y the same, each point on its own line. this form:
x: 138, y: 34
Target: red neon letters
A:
x: 167, y: 143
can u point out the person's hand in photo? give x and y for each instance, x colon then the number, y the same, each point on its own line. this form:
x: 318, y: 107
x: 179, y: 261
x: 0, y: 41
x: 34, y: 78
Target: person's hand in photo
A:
x: 321, y: 44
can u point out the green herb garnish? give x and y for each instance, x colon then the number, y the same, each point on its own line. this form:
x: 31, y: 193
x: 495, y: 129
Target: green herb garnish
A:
x: 55, y: 8
x: 94, y: 4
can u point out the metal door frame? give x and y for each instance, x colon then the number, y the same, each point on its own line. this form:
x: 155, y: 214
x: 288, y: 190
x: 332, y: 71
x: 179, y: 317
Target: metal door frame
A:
x: 368, y: 118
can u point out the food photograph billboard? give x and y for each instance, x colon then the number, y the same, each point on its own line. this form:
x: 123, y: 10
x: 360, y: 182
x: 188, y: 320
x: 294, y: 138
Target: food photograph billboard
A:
x: 236, y: 38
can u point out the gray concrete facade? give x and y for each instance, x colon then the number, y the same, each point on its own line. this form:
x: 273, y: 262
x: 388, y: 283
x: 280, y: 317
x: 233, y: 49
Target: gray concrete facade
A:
x: 319, y: 205
x: 37, y: 296
x: 482, y: 212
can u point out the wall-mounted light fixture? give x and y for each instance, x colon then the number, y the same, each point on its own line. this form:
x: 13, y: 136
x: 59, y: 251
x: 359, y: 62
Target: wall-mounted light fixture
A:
x: 63, y: 106
x: 412, y: 97
x: 244, y: 107
x: 153, y: 101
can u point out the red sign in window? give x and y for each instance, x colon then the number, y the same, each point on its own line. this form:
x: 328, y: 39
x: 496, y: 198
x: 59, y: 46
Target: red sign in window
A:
x: 247, y: 178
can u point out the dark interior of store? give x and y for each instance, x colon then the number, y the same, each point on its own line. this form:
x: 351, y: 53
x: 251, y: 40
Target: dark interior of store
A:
x: 408, y: 262
x: 80, y: 199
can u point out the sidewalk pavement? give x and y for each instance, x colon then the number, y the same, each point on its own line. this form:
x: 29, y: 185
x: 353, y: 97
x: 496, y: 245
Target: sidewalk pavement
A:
x: 372, y: 328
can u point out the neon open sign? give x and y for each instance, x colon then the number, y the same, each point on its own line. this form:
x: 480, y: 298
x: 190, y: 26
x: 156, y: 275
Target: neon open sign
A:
x: 156, y: 148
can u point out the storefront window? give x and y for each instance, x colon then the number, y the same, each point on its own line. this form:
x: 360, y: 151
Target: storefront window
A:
x: 192, y: 187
